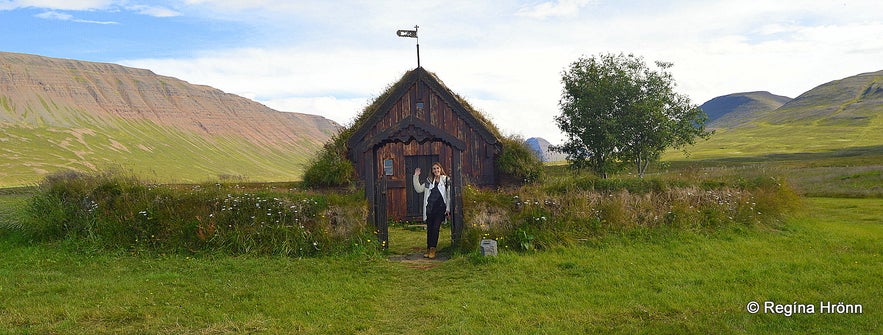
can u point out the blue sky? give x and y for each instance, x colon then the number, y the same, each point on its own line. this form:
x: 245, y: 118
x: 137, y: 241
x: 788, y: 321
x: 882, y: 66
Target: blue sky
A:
x: 332, y: 57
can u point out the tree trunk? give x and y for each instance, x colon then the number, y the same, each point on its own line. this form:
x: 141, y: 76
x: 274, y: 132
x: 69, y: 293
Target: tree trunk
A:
x: 639, y: 165
x: 642, y: 164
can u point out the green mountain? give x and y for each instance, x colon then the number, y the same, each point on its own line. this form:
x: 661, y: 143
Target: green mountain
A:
x: 853, y: 101
x: 733, y: 109
x: 841, y: 114
x: 60, y: 114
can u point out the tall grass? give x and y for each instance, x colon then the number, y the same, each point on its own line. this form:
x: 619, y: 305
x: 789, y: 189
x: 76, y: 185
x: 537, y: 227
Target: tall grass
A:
x: 682, y: 283
x: 570, y: 209
x: 114, y: 211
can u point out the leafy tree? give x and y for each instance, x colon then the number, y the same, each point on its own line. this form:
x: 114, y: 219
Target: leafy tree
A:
x: 615, y: 111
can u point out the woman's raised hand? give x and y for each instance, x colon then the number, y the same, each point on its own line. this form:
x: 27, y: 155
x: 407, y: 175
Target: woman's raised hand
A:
x: 417, y: 171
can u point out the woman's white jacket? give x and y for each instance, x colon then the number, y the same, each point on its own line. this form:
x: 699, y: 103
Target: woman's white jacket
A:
x: 443, y: 188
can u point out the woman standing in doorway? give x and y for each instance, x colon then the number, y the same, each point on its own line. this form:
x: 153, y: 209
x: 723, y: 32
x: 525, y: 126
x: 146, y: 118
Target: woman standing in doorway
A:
x: 436, y: 204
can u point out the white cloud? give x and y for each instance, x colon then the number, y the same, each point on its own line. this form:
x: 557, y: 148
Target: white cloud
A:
x: 342, y: 111
x: 51, y: 15
x: 55, y: 16
x: 86, y: 5
x: 57, y: 4
x: 334, y: 83
x: 339, y: 83
x: 557, y: 8
x: 156, y: 11
x: 330, y: 59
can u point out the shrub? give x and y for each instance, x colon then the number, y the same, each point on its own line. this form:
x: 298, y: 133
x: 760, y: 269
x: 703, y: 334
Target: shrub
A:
x: 517, y: 163
x: 569, y: 210
x: 112, y: 211
x: 330, y: 167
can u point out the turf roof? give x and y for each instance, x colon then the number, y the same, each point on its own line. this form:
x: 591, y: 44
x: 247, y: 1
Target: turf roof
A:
x: 400, y: 86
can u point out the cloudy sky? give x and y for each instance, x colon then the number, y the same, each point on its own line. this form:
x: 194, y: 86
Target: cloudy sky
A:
x: 504, y: 56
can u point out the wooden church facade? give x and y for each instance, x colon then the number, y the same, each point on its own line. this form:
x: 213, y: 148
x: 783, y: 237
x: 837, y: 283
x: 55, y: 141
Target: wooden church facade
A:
x: 419, y: 121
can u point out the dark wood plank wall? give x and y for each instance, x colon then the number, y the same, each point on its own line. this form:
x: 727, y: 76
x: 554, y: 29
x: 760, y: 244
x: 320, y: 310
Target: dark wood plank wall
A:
x: 477, y: 158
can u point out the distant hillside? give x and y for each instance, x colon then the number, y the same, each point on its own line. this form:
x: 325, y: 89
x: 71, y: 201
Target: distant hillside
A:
x: 540, y: 147
x: 852, y: 101
x: 67, y: 114
x: 845, y: 113
x: 737, y: 108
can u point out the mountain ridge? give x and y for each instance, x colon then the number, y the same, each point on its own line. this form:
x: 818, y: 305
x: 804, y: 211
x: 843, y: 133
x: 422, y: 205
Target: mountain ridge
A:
x: 540, y: 147
x: 836, y: 115
x: 85, y: 115
x: 134, y: 94
x: 851, y: 100
x: 737, y: 108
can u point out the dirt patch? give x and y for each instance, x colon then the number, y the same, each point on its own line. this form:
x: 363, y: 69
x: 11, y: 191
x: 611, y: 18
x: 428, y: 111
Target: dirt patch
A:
x: 417, y: 261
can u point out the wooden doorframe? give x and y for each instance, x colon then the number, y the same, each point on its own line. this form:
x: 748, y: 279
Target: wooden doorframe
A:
x: 406, y: 131
x: 376, y: 188
x: 457, y: 194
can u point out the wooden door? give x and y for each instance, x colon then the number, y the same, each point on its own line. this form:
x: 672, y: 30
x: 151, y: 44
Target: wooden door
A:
x: 415, y: 200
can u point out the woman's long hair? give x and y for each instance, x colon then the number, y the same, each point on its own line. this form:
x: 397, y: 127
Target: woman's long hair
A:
x: 431, y: 178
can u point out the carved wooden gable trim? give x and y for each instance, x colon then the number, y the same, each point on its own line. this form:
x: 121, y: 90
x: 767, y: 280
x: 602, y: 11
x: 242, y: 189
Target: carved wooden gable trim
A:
x: 412, y: 129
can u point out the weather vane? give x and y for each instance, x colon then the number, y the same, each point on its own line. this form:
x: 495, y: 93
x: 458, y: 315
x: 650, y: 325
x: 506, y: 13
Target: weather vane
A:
x: 411, y: 34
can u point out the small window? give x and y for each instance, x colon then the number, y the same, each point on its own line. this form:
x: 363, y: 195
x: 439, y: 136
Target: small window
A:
x: 419, y: 106
x: 387, y: 167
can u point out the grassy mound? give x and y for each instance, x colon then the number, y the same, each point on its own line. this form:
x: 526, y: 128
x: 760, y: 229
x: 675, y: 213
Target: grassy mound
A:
x: 570, y: 209
x: 114, y: 211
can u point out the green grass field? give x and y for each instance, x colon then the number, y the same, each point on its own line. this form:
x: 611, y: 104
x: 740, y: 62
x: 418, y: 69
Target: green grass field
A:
x: 660, y: 281
x: 819, y: 157
x: 153, y: 152
x: 855, y: 172
x: 670, y: 282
